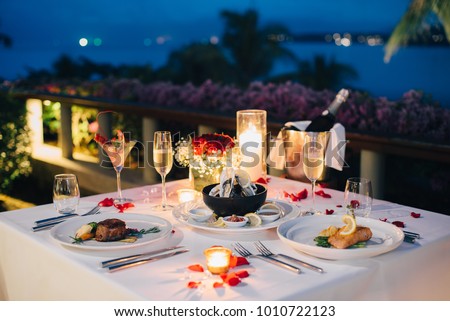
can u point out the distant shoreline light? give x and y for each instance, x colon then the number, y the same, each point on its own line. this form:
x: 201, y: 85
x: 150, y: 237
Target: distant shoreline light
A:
x: 83, y: 42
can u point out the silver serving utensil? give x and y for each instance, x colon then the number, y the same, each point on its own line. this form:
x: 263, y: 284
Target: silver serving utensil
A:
x: 65, y: 216
x: 125, y: 265
x: 133, y: 257
x: 266, y: 252
x: 246, y: 253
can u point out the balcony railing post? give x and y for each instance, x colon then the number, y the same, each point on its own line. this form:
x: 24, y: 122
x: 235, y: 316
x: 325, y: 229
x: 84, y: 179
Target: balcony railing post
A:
x: 373, y: 168
x: 65, y: 139
x: 34, y: 122
x: 149, y: 126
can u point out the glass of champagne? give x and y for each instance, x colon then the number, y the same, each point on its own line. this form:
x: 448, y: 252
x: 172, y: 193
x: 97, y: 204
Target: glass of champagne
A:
x: 163, y: 161
x: 313, y: 162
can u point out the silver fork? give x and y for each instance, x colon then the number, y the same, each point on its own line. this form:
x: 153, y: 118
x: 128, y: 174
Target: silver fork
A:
x: 52, y: 221
x: 267, y: 253
x: 246, y: 253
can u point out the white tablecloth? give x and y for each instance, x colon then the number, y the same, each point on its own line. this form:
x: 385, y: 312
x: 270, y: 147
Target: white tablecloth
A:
x: 33, y: 266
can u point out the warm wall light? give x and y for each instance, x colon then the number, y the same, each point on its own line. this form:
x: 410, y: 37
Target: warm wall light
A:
x: 251, y: 133
x: 217, y: 259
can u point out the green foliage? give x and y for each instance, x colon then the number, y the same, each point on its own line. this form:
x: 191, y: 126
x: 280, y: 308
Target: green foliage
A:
x: 14, y: 142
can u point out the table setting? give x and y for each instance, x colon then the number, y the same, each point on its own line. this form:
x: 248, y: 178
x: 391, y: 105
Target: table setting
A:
x: 240, y: 234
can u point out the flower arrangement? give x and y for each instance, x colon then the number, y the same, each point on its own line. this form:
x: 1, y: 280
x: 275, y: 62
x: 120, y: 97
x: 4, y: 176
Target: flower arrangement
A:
x: 205, y: 155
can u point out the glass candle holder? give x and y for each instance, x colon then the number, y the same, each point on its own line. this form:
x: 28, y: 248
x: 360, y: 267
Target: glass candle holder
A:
x: 217, y: 259
x: 186, y: 195
x: 251, y: 129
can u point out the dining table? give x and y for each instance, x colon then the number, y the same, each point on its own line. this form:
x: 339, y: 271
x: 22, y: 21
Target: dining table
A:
x: 38, y: 265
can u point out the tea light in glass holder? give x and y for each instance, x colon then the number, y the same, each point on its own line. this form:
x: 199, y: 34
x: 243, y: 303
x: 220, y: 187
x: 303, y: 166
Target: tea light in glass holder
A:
x: 186, y: 195
x: 217, y: 259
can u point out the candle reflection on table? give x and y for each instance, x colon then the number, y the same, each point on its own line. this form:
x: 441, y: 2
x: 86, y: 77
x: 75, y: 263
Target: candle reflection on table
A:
x: 186, y: 195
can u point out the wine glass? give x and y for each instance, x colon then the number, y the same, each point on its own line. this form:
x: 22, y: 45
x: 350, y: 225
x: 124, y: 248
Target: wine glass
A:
x: 313, y: 162
x: 117, y: 148
x: 163, y: 161
x: 358, y: 196
x: 66, y: 193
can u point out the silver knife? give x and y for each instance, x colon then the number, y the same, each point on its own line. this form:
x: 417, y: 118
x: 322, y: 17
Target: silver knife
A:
x: 302, y: 263
x: 132, y: 257
x: 122, y: 266
x: 54, y: 219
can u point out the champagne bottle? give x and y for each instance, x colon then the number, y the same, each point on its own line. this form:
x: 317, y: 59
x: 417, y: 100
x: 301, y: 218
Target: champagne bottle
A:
x: 326, y: 120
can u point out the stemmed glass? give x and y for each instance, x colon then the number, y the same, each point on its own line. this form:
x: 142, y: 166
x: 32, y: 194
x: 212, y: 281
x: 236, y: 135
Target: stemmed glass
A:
x: 314, y: 162
x: 163, y: 161
x: 117, y: 149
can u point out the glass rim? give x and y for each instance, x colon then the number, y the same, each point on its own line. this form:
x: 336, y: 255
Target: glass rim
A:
x: 65, y: 176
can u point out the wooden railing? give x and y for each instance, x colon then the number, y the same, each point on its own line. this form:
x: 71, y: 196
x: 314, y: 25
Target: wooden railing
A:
x: 372, y: 148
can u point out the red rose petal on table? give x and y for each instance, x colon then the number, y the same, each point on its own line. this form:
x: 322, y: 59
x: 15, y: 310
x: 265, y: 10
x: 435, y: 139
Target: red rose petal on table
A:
x: 123, y: 207
x: 303, y: 194
x: 242, y: 274
x: 242, y: 261
x: 338, y: 205
x: 107, y: 202
x: 261, y: 180
x: 196, y: 268
x: 218, y: 285
x: 355, y: 204
x: 399, y: 223
x: 323, y: 194
x: 193, y: 284
x: 231, y: 278
x: 415, y: 215
x: 383, y: 219
x: 329, y: 212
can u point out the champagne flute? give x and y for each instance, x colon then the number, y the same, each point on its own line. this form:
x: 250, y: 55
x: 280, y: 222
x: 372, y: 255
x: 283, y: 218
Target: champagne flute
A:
x: 163, y: 161
x: 313, y: 162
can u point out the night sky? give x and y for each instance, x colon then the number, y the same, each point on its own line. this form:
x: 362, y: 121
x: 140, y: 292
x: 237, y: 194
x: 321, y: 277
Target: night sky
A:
x: 140, y: 32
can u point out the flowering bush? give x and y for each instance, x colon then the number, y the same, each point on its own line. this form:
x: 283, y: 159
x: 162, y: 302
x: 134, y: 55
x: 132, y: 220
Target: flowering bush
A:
x: 413, y: 116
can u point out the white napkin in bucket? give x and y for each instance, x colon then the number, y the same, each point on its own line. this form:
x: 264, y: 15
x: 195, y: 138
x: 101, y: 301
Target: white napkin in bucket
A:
x: 337, y: 135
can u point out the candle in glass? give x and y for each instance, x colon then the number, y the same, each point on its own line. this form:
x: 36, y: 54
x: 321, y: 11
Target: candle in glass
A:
x: 251, y: 134
x: 217, y: 259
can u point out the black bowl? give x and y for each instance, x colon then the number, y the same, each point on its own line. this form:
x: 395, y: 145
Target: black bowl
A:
x: 226, y: 206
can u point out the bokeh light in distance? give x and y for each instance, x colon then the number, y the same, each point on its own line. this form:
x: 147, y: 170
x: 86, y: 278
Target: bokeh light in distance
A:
x: 83, y: 42
x: 98, y: 42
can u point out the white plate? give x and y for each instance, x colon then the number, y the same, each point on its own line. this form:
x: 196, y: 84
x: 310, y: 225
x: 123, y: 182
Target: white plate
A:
x: 300, y: 233
x: 181, y: 214
x: 63, y: 232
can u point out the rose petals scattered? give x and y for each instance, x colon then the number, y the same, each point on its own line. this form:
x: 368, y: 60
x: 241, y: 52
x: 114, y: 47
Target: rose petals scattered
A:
x: 329, y: 212
x: 355, y: 204
x: 218, y: 285
x: 193, y: 284
x: 242, y: 274
x: 323, y: 194
x: 123, y: 207
x: 231, y: 278
x: 196, y: 268
x: 107, y: 202
x: 339, y: 205
x: 415, y: 215
x: 237, y: 261
x: 383, y: 219
x: 295, y: 197
x: 261, y: 180
x: 399, y: 224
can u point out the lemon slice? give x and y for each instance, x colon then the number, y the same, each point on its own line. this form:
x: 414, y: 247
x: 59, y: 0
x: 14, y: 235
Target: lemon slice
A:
x: 219, y: 223
x: 244, y: 178
x: 350, y: 226
x: 254, y: 219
